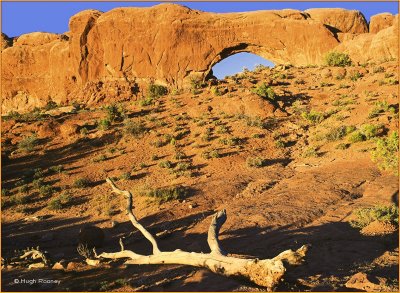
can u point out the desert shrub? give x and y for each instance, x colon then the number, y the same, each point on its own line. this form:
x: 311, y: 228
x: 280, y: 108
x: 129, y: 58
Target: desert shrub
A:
x: 211, y: 154
x: 313, y: 117
x: 46, y: 190
x: 215, y: 91
x: 222, y: 129
x: 135, y: 128
x: 56, y: 169
x: 336, y: 133
x: 386, y: 153
x: 50, y: 105
x: 381, y: 213
x: 279, y: 143
x: 356, y: 136
x: 381, y: 107
x: 28, y: 143
x: 38, y: 173
x: 337, y: 59
x: 126, y: 176
x: 342, y: 146
x: 255, y: 122
x: 155, y: 91
x: 82, y: 183
x: 310, y: 152
x: 231, y: 141
x: 179, y: 155
x: 100, y: 158
x: 104, y: 124
x: 166, y: 194
x: 265, y: 92
x: 37, y: 183
x: 5, y: 192
x: 115, y: 112
x: 355, y: 76
x: 165, y: 164
x: 60, y: 202
x: 24, y: 188
x: 378, y: 69
x: 147, y: 101
x: 370, y: 130
x: 255, y: 162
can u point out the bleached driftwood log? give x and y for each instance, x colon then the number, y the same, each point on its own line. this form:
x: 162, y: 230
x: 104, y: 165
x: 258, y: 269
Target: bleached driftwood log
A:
x: 266, y: 272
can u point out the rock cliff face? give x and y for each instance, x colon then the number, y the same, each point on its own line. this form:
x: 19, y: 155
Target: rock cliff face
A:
x: 104, y: 56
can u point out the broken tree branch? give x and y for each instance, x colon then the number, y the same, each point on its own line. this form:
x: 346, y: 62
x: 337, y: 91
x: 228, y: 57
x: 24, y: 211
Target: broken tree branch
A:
x: 266, y: 273
x: 131, y: 216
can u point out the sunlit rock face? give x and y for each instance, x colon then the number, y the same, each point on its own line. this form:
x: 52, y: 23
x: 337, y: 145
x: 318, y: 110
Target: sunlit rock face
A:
x: 104, y: 56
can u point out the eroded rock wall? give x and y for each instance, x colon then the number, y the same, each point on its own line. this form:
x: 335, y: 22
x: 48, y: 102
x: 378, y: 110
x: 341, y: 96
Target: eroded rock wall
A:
x: 104, y: 56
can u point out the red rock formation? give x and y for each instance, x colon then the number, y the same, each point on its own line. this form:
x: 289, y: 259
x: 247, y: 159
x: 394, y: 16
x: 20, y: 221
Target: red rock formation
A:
x: 105, y: 55
x: 380, y: 21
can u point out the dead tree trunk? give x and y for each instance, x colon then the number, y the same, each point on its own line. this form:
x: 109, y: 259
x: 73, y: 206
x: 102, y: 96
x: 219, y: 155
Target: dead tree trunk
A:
x: 266, y: 272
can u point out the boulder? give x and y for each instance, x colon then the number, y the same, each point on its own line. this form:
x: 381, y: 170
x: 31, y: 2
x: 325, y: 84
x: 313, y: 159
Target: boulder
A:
x: 340, y: 20
x: 360, y: 281
x: 380, y: 21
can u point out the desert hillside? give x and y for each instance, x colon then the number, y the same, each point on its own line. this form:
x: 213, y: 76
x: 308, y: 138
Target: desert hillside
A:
x: 296, y: 156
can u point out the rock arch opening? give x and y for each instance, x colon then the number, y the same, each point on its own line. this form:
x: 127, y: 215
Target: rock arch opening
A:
x: 236, y: 63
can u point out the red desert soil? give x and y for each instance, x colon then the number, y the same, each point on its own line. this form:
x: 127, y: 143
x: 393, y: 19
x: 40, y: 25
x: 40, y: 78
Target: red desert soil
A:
x: 305, y: 191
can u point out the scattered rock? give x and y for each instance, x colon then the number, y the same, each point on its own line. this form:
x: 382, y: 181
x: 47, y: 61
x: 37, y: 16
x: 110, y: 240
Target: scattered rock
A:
x: 61, y: 265
x: 91, y: 236
x: 68, y: 130
x: 360, y: 281
x: 326, y: 72
x: 72, y: 266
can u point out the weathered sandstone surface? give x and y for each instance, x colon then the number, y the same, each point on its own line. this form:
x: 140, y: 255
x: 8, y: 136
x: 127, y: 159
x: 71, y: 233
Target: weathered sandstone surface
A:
x: 109, y: 56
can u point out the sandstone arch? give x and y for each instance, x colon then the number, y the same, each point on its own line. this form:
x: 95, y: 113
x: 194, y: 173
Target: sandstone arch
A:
x: 104, y: 55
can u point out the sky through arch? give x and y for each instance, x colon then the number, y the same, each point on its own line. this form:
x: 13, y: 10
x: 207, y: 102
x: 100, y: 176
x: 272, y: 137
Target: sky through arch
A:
x: 237, y: 62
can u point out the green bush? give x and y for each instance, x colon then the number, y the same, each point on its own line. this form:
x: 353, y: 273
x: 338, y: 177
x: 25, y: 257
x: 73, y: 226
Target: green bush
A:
x: 82, y: 183
x: 154, y: 91
x: 365, y: 216
x: 370, y: 130
x: 386, y: 153
x: 56, y: 169
x: 50, y: 105
x: 336, y: 133
x: 115, y: 112
x: 255, y: 162
x: 46, y: 190
x: 167, y: 194
x: 313, y: 117
x: 60, y: 202
x: 265, y: 92
x: 356, y: 136
x: 310, y: 152
x: 337, y: 59
x: 135, y: 128
x: 104, y: 124
x: 165, y: 164
x: 28, y: 143
x: 231, y: 141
